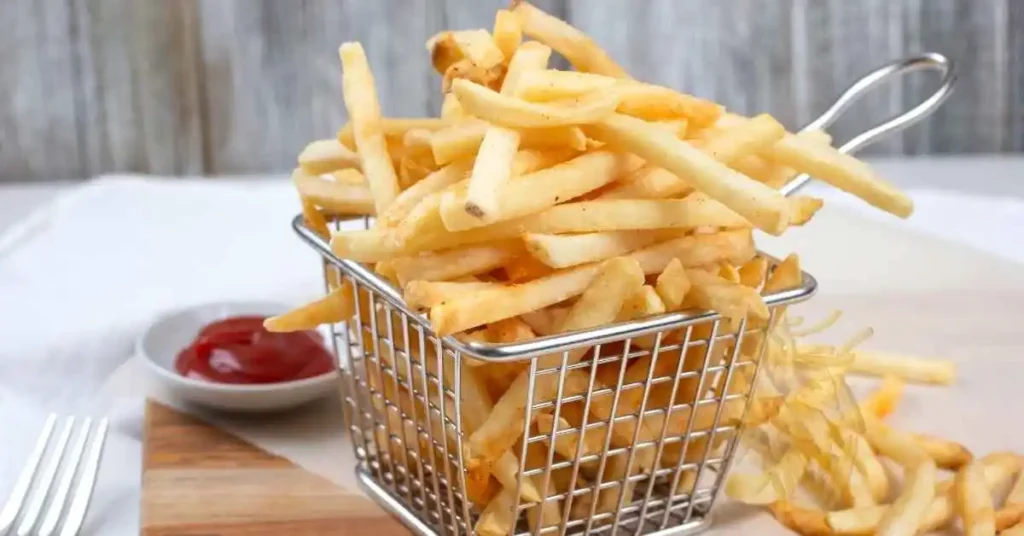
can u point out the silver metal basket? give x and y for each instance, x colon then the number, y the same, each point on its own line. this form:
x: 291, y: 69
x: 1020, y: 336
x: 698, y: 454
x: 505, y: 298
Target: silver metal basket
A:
x: 658, y: 469
x: 402, y: 451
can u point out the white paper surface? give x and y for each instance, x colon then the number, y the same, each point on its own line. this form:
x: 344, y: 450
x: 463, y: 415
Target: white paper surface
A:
x: 79, y: 283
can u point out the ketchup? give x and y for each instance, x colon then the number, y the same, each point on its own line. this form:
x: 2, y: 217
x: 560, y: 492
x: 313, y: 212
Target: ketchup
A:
x: 238, y: 350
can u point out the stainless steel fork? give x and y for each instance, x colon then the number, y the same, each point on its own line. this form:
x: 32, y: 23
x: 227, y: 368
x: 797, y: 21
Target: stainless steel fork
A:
x: 63, y: 476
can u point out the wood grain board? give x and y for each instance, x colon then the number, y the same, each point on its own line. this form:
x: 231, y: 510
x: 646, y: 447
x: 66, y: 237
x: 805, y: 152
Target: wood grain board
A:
x: 239, y: 86
x: 200, y: 481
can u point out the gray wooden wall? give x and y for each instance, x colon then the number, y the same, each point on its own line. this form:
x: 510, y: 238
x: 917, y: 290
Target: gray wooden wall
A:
x: 238, y: 86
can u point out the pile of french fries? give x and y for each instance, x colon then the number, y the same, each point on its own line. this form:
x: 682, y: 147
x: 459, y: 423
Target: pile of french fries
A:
x: 826, y: 468
x: 544, y: 201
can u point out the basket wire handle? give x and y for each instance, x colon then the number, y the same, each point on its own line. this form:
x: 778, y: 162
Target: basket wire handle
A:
x: 926, y: 61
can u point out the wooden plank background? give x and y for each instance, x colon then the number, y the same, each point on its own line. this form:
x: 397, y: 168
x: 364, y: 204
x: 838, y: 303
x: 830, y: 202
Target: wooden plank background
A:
x: 238, y: 86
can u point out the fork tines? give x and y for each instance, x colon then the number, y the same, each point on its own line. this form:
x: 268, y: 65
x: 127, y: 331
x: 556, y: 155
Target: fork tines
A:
x: 57, y: 481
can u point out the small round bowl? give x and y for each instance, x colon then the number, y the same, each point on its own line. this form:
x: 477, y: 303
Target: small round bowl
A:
x: 161, y: 342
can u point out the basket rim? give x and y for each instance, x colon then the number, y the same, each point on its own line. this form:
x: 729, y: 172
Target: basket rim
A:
x: 560, y: 342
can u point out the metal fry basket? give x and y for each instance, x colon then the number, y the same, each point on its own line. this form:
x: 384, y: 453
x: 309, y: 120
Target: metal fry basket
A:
x: 403, y: 393
x: 617, y: 452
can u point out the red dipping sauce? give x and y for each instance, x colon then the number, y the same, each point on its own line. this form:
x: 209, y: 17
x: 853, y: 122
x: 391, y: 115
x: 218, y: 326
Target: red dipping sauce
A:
x: 239, y: 351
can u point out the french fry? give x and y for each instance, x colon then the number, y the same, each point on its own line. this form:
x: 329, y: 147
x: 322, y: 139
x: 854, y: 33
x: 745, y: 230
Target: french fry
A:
x: 842, y: 171
x: 493, y: 107
x: 998, y: 467
x: 478, y: 47
x: 508, y: 33
x: 785, y: 276
x: 498, y: 519
x: 447, y: 265
x: 493, y: 166
x: 762, y: 206
x: 546, y: 321
x: 732, y: 300
x: 946, y: 454
x: 656, y: 103
x: 525, y: 268
x: 974, y: 501
x: 753, y: 272
x: 426, y: 294
x: 444, y: 51
x: 909, y: 509
x: 568, y: 445
x: 1012, y: 511
x: 581, y: 51
x: 394, y: 128
x: 336, y: 306
x: 412, y: 196
x: 800, y: 520
x: 882, y: 401
x: 553, y: 85
x: 325, y: 156
x: 750, y: 136
x: 462, y: 140
x: 642, y: 304
x: 673, y: 285
x: 542, y: 189
x: 360, y: 95
x: 467, y: 312
x: 451, y: 110
x: 611, y: 283
x: 313, y: 219
x: 802, y: 208
x: 909, y: 368
x: 563, y: 251
x: 335, y: 197
x: 372, y: 245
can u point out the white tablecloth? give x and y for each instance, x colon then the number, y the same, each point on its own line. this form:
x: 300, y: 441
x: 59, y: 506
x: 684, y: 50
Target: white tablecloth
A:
x: 80, y: 277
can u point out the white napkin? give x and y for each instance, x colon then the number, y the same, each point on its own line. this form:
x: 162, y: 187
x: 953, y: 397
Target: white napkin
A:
x: 81, y: 279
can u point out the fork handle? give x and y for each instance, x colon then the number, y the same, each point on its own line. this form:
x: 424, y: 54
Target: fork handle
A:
x: 927, y: 61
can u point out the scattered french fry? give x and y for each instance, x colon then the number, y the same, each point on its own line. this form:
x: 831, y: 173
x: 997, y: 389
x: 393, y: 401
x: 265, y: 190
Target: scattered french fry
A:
x: 574, y: 45
x: 506, y: 111
x: 451, y: 264
x: 974, y: 501
x: 563, y: 251
x: 332, y: 195
x: 426, y: 294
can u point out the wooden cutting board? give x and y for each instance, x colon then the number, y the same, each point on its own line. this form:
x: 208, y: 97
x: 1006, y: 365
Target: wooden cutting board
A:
x: 198, y: 480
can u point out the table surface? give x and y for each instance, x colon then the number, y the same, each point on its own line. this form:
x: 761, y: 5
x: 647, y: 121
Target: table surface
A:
x: 997, y: 177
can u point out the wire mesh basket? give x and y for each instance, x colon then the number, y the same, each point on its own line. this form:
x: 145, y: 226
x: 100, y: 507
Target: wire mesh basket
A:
x: 660, y: 404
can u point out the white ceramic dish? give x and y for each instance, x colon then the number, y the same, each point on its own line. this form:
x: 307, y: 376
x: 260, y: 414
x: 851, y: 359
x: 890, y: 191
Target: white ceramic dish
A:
x: 160, y: 343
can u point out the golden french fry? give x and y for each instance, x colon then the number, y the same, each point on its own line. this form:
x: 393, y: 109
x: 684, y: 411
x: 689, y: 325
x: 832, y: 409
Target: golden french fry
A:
x: 581, y: 51
x: 800, y: 520
x: 542, y: 189
x: 748, y: 137
x: 478, y: 47
x: 974, y: 501
x: 333, y: 196
x: 909, y: 510
x: 643, y: 303
x: 946, y: 454
x: 802, y: 208
x: 525, y: 268
x: 732, y: 300
x: 394, y: 128
x: 607, y: 287
x: 467, y: 71
x: 546, y: 321
x: 785, y: 276
x: 673, y: 285
x: 563, y: 251
x: 467, y: 312
x: 842, y: 171
x: 325, y: 156
x: 508, y: 33
x: 313, y: 219
x: 337, y: 306
x: 493, y: 166
x: 1008, y: 517
x: 498, y: 519
x: 360, y: 95
x: 426, y: 294
x: 910, y: 368
x: 656, y: 103
x: 882, y: 401
x: 412, y: 196
x: 512, y: 112
x: 447, y: 265
x: 451, y: 110
x: 444, y: 51
x: 568, y: 445
x: 372, y: 245
x: 462, y: 140
x: 753, y: 272
x: 999, y: 468
x: 762, y: 206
